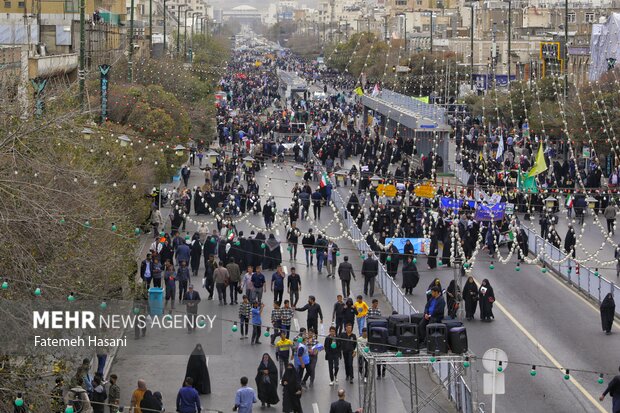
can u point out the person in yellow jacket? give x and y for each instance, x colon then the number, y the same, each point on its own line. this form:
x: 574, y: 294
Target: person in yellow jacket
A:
x: 362, y: 311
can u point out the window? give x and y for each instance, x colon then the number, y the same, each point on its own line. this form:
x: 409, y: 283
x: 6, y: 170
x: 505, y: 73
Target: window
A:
x: 571, y: 17
x: 21, y: 4
x: 589, y: 17
x: 418, y: 2
x: 7, y: 4
x: 401, y: 2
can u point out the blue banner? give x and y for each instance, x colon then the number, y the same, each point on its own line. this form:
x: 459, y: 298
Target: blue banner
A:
x: 451, y: 203
x: 490, y: 213
x: 420, y: 245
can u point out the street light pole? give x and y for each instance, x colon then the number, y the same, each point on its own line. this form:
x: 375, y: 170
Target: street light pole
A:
x: 431, y: 32
x: 185, y: 34
x: 509, y: 38
x: 130, y: 74
x: 165, y: 11
x: 179, y: 28
x: 471, y: 57
x: 82, y: 71
x: 151, y: 28
x: 565, y: 49
x: 404, y: 16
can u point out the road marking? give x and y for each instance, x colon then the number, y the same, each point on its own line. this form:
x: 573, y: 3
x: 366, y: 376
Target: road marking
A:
x: 285, y: 269
x: 576, y: 294
x: 277, y: 232
x: 552, y: 359
x: 296, y: 322
x: 315, y: 408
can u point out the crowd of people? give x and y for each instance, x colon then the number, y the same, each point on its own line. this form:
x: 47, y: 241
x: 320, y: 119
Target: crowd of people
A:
x: 236, y: 267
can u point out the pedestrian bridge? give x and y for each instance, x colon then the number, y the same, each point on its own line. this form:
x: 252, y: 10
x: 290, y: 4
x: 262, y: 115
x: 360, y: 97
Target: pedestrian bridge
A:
x: 411, y: 119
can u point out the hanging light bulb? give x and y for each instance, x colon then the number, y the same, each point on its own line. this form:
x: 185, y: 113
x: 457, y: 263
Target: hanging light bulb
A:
x: 37, y: 291
x: 71, y: 297
x: 533, y: 371
x: 492, y: 266
x: 567, y: 375
x: 600, y: 379
x: 5, y: 285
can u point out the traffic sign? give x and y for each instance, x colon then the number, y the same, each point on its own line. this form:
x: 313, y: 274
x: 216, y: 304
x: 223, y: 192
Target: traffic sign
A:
x: 487, y: 383
x: 491, y: 359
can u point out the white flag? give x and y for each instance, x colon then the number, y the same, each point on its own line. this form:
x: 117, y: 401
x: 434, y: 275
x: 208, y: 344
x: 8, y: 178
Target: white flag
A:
x: 500, y: 148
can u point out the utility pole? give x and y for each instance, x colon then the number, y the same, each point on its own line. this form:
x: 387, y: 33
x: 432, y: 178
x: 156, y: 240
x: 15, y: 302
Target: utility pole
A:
x: 165, y: 11
x: 386, y: 28
x: 185, y: 34
x: 82, y: 71
x: 565, y: 49
x: 509, y: 38
x: 431, y: 32
x: 471, y: 57
x: 179, y: 28
x: 151, y: 28
x: 130, y: 74
x: 494, y: 54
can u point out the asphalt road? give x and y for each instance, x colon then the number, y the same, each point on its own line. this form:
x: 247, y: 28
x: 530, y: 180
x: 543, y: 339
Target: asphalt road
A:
x: 163, y: 359
x: 539, y: 320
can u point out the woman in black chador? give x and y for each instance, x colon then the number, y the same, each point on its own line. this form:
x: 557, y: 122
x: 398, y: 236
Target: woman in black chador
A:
x: 198, y: 371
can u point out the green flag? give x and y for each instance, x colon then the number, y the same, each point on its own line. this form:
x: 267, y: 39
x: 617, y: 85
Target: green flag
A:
x: 527, y: 183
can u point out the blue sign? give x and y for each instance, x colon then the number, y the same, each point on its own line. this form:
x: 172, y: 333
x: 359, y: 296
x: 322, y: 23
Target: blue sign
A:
x: 420, y: 245
x: 427, y: 126
x: 481, y: 81
x: 104, y: 71
x: 451, y: 203
x: 495, y: 212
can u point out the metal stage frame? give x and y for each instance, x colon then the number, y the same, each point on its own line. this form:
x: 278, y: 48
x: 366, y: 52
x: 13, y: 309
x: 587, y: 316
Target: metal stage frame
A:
x: 418, y: 398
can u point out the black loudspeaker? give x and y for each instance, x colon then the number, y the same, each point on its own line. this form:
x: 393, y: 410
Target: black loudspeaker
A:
x: 451, y: 323
x: 394, y: 320
x: 376, y: 322
x: 378, y: 339
x: 416, y: 318
x: 437, y: 338
x: 457, y: 339
x: 407, y: 338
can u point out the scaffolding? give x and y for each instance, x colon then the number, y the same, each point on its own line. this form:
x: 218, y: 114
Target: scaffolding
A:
x: 453, y: 364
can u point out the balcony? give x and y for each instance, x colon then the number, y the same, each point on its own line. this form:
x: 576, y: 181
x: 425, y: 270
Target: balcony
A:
x: 50, y: 66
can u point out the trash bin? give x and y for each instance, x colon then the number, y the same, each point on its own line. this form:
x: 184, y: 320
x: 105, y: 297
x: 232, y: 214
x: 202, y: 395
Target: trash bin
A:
x: 156, y: 301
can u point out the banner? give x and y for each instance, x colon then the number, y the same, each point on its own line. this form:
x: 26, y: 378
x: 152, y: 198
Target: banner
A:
x: 420, y: 245
x: 490, y: 212
x: 104, y: 70
x: 451, y: 203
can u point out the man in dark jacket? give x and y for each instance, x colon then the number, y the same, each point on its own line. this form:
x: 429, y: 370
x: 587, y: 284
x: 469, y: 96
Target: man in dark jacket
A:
x: 316, y: 203
x: 341, y: 405
x: 370, y: 269
x: 345, y: 272
x: 613, y: 389
x: 314, y: 313
x: 434, y: 310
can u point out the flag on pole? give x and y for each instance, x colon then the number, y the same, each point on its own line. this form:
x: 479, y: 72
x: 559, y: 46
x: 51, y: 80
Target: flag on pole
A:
x: 423, y: 99
x: 376, y: 90
x: 324, y: 180
x: 359, y: 91
x: 527, y: 183
x: 500, y: 148
x: 540, y: 165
